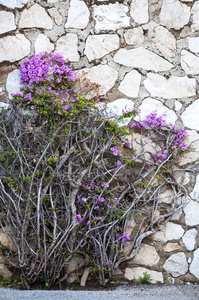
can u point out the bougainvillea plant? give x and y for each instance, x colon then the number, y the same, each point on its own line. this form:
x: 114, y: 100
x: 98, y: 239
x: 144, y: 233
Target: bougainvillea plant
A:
x: 75, y: 185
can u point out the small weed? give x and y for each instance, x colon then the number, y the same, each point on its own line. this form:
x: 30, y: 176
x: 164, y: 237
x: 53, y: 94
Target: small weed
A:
x: 145, y: 279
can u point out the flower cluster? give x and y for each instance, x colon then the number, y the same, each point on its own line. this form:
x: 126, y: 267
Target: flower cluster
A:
x: 152, y: 121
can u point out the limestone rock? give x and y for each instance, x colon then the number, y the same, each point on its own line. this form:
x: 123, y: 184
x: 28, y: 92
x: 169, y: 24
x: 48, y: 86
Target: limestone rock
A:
x: 103, y: 75
x: 190, y: 116
x: 13, y: 3
x: 193, y: 137
x: 3, y: 105
x: 136, y: 273
x: 142, y: 58
x: 13, y: 83
x: 164, y: 41
x: 36, y: 16
x: 147, y: 255
x: 5, y: 272
x: 42, y: 43
x: 7, y: 22
x: 167, y: 197
x: 169, y: 247
x: 74, y: 264
x: 14, y: 48
x: 191, y: 211
x: 178, y: 105
x: 116, y: 108
x: 189, y: 63
x: 130, y: 85
x: 174, y: 14
x: 150, y: 105
x: 5, y: 240
x: 134, y: 36
x: 194, y: 267
x: 110, y: 17
x: 174, y: 87
x: 193, y: 44
x: 170, y: 232
x: 98, y: 46
x: 67, y: 47
x: 189, y: 239
x: 78, y: 15
x: 195, y: 13
x: 139, y: 11
x: 195, y: 193
x: 53, y: 12
x: 176, y: 264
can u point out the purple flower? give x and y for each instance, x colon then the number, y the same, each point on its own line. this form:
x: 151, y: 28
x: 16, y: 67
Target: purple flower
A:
x: 128, y: 144
x: 115, y: 150
x: 109, y: 206
x: 32, y: 107
x: 105, y: 185
x: 96, y: 207
x: 119, y: 164
x: 78, y: 218
x: 110, y: 262
x: 100, y: 199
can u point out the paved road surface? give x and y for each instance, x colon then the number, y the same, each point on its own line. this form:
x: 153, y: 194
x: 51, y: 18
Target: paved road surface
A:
x: 125, y: 292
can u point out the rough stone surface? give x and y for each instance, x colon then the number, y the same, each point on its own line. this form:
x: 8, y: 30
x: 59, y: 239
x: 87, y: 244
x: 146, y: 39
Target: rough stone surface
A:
x: 36, y: 16
x: 193, y: 44
x: 13, y: 82
x: 170, y: 232
x: 7, y: 22
x: 195, y: 13
x: 78, y: 15
x: 134, y: 36
x: 3, y: 105
x: 152, y: 257
x: 67, y: 47
x: 189, y: 63
x: 169, y: 247
x: 174, y: 87
x: 174, y: 14
x: 5, y: 272
x: 103, y: 75
x: 164, y: 41
x: 130, y: 85
x: 190, y: 116
x: 53, y: 12
x: 98, y: 46
x: 166, y: 197
x: 191, y: 211
x: 5, y: 240
x: 42, y: 43
x: 110, y: 17
x: 150, y: 105
x: 136, y: 273
x: 189, y: 239
x: 194, y: 267
x: 14, y: 48
x: 142, y: 58
x: 139, y: 11
x: 178, y: 105
x: 176, y: 264
x: 13, y: 3
x: 195, y: 193
x: 116, y: 108
x: 192, y: 139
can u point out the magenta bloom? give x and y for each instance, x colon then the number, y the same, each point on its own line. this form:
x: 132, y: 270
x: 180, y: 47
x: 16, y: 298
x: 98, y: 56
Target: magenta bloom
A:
x: 32, y: 107
x: 119, y: 164
x: 105, y: 185
x: 78, y: 218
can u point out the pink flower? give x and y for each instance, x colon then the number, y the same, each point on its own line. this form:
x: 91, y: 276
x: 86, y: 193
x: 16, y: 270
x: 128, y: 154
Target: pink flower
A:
x: 32, y: 107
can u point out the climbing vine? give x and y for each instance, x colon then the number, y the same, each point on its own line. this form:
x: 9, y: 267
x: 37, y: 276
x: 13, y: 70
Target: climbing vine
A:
x: 73, y: 184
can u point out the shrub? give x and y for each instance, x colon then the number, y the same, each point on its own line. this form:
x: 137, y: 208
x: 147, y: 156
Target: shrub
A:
x: 72, y: 185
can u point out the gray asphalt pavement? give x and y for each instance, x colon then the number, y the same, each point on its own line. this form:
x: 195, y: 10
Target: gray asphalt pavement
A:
x: 125, y: 292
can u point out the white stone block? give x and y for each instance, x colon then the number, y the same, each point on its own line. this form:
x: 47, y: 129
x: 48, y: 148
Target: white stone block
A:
x: 110, y: 17
x: 13, y: 83
x: 42, y: 43
x: 139, y: 11
x: 190, y: 116
x: 7, y: 22
x: 176, y: 264
x: 164, y: 41
x: 98, y: 46
x: 195, y: 13
x: 174, y: 14
x: 191, y: 211
x: 194, y: 267
x: 189, y: 239
x: 189, y: 63
x: 136, y: 273
x: 78, y: 15
x: 143, y: 59
x: 130, y: 85
x: 13, y: 3
x: 147, y: 255
x: 67, y: 47
x: 173, y: 87
x: 193, y: 44
x: 134, y: 36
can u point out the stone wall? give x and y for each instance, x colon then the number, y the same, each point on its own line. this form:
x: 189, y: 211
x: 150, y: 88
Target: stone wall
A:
x: 142, y: 53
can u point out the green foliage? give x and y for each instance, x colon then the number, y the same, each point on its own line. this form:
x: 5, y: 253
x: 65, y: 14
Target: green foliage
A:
x: 146, y: 278
x: 10, y: 283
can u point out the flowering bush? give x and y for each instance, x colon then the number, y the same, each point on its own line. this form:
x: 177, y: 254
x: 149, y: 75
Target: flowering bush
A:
x: 71, y: 182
